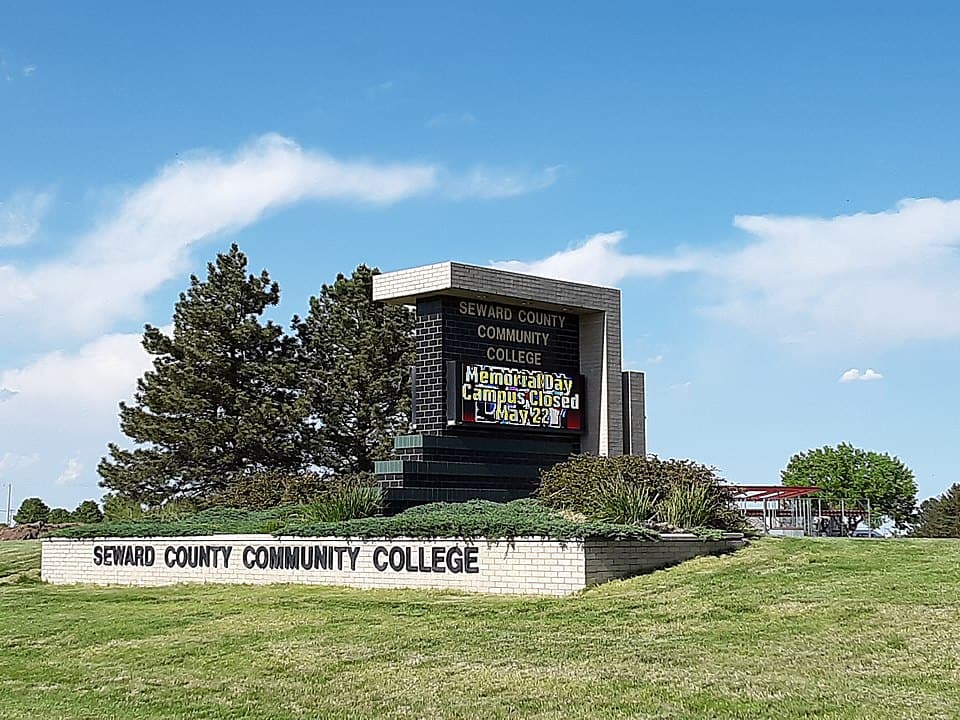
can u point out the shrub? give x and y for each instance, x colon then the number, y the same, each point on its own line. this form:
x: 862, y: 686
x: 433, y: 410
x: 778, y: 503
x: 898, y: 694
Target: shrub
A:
x: 577, y: 484
x: 173, y: 510
x: 473, y: 519
x: 635, y: 489
x: 58, y: 516
x: 205, y: 522
x: 117, y: 508
x: 262, y: 490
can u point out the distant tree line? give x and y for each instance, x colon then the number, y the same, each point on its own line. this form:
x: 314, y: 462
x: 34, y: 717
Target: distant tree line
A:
x: 35, y: 510
x: 232, y: 396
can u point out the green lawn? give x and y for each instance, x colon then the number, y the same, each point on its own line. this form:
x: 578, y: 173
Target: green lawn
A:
x: 19, y: 561
x: 785, y: 629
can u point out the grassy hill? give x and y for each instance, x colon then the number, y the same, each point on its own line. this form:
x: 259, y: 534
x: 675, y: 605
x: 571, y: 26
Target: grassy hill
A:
x: 784, y: 629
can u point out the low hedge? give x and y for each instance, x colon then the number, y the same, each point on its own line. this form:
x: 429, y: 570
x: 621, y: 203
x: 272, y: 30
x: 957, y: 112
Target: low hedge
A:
x: 469, y: 520
x: 221, y: 521
x: 474, y: 519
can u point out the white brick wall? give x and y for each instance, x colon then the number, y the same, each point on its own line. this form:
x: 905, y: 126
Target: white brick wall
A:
x: 610, y: 560
x: 534, y: 566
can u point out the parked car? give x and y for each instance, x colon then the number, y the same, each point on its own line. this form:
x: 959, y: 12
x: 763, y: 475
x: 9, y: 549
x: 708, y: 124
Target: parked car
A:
x: 866, y: 533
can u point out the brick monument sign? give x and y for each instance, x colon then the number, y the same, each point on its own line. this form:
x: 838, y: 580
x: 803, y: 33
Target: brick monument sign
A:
x: 513, y: 373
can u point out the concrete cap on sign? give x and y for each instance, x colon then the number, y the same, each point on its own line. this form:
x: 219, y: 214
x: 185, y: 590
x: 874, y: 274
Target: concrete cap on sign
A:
x: 404, y: 287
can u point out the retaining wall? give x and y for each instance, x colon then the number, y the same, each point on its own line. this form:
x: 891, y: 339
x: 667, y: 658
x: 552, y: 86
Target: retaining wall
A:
x: 535, y: 566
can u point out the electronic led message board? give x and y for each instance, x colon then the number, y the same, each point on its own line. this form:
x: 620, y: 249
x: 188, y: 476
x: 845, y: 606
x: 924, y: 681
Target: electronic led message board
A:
x: 488, y: 395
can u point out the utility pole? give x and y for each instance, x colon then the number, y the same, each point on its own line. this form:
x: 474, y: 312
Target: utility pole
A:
x: 9, y: 515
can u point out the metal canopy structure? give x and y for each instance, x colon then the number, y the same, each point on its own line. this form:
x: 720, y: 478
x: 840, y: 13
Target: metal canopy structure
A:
x: 759, y: 493
x: 778, y: 509
x: 802, y: 510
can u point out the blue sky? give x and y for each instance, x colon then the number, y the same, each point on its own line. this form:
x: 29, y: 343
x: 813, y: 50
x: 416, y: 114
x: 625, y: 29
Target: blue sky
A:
x: 774, y: 189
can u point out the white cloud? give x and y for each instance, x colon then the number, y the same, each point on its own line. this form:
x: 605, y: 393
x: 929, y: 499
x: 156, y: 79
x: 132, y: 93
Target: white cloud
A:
x: 382, y: 89
x: 598, y: 260
x: 20, y: 217
x: 66, y: 401
x: 70, y: 473
x: 488, y: 184
x: 682, y: 386
x: 655, y: 360
x: 6, y: 394
x: 91, y: 380
x: 877, y: 279
x: 854, y: 375
x: 110, y: 271
x: 29, y: 70
x: 113, y: 268
x: 870, y: 279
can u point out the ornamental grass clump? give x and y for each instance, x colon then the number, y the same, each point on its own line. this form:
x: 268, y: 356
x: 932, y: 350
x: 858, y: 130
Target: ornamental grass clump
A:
x: 689, y: 505
x: 626, y: 503
x: 345, y: 502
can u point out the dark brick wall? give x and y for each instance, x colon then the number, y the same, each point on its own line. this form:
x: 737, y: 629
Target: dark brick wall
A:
x: 473, y: 448
x: 408, y: 494
x: 430, y: 405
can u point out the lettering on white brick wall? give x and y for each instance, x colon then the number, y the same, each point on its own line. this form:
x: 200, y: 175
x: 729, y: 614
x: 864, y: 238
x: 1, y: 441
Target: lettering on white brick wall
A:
x: 309, y: 556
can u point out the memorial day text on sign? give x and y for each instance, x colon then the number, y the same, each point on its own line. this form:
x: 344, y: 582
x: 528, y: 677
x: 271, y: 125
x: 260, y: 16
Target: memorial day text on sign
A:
x: 524, y: 398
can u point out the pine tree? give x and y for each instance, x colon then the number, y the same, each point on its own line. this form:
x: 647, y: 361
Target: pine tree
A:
x: 940, y: 516
x: 221, y: 399
x: 357, y: 356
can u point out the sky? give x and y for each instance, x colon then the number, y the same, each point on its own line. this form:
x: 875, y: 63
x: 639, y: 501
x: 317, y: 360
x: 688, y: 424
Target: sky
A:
x: 774, y: 189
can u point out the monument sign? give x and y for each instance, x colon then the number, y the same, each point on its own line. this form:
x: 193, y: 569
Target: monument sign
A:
x: 513, y: 373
